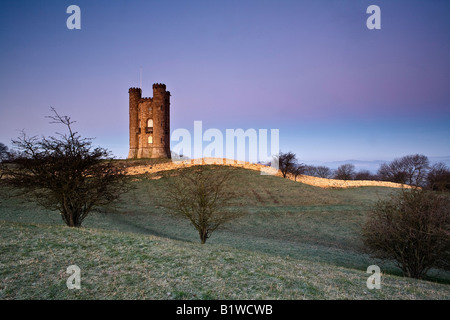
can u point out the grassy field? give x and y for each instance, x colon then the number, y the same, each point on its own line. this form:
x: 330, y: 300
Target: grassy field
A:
x: 294, y: 242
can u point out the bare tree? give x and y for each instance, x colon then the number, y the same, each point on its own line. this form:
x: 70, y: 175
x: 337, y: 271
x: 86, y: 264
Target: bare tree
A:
x: 297, y: 170
x: 202, y: 194
x: 345, y: 172
x: 410, y: 169
x: 287, y: 162
x: 392, y: 171
x: 417, y: 166
x: 438, y: 177
x: 413, y: 229
x: 323, y: 172
x: 310, y: 170
x: 65, y: 173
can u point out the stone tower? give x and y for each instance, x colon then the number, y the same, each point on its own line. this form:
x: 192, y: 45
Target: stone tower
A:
x: 149, y: 123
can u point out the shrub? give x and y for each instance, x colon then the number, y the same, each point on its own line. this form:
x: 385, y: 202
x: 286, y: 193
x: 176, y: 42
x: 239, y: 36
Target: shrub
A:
x: 201, y: 194
x: 411, y: 228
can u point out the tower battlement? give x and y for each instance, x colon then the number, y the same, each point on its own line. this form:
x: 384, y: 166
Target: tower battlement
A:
x: 149, y: 123
x: 135, y: 90
x: 159, y: 86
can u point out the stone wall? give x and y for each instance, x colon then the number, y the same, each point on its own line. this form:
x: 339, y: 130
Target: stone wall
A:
x: 314, y: 181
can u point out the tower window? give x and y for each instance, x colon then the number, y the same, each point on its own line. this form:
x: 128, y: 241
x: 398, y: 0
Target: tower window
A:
x: 150, y: 139
x: 149, y: 128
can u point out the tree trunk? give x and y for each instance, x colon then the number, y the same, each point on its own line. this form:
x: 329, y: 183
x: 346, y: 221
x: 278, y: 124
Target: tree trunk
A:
x: 203, y: 235
x: 71, y: 222
x: 71, y: 219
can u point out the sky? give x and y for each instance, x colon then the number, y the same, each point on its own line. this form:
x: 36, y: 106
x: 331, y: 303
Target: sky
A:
x: 312, y: 69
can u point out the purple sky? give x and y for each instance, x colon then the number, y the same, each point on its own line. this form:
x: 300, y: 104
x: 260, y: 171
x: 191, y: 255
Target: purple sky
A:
x: 335, y: 89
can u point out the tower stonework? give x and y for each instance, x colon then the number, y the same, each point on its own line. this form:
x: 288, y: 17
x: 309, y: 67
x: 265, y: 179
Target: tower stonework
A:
x: 149, y: 123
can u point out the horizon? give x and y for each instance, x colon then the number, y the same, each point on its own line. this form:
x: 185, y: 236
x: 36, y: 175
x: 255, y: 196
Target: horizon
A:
x: 335, y: 89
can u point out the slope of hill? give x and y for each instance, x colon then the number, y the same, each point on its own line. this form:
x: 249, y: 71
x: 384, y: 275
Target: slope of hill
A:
x: 291, y: 235
x: 116, y: 265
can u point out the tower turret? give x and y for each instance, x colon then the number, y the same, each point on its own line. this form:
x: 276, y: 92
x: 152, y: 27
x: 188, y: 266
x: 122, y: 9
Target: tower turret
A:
x: 135, y: 95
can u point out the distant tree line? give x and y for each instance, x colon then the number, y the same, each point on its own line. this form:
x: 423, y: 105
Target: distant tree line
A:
x: 413, y: 170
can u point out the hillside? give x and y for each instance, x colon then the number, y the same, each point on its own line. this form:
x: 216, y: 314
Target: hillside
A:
x: 295, y: 241
x: 117, y: 265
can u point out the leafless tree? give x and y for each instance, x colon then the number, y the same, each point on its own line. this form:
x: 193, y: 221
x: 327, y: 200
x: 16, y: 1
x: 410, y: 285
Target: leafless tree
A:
x: 64, y: 173
x: 323, y: 172
x: 287, y: 162
x: 416, y: 168
x: 411, y: 228
x: 345, y: 172
x: 438, y: 177
x: 392, y: 171
x: 297, y: 170
x: 410, y: 169
x: 310, y: 170
x: 201, y: 194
